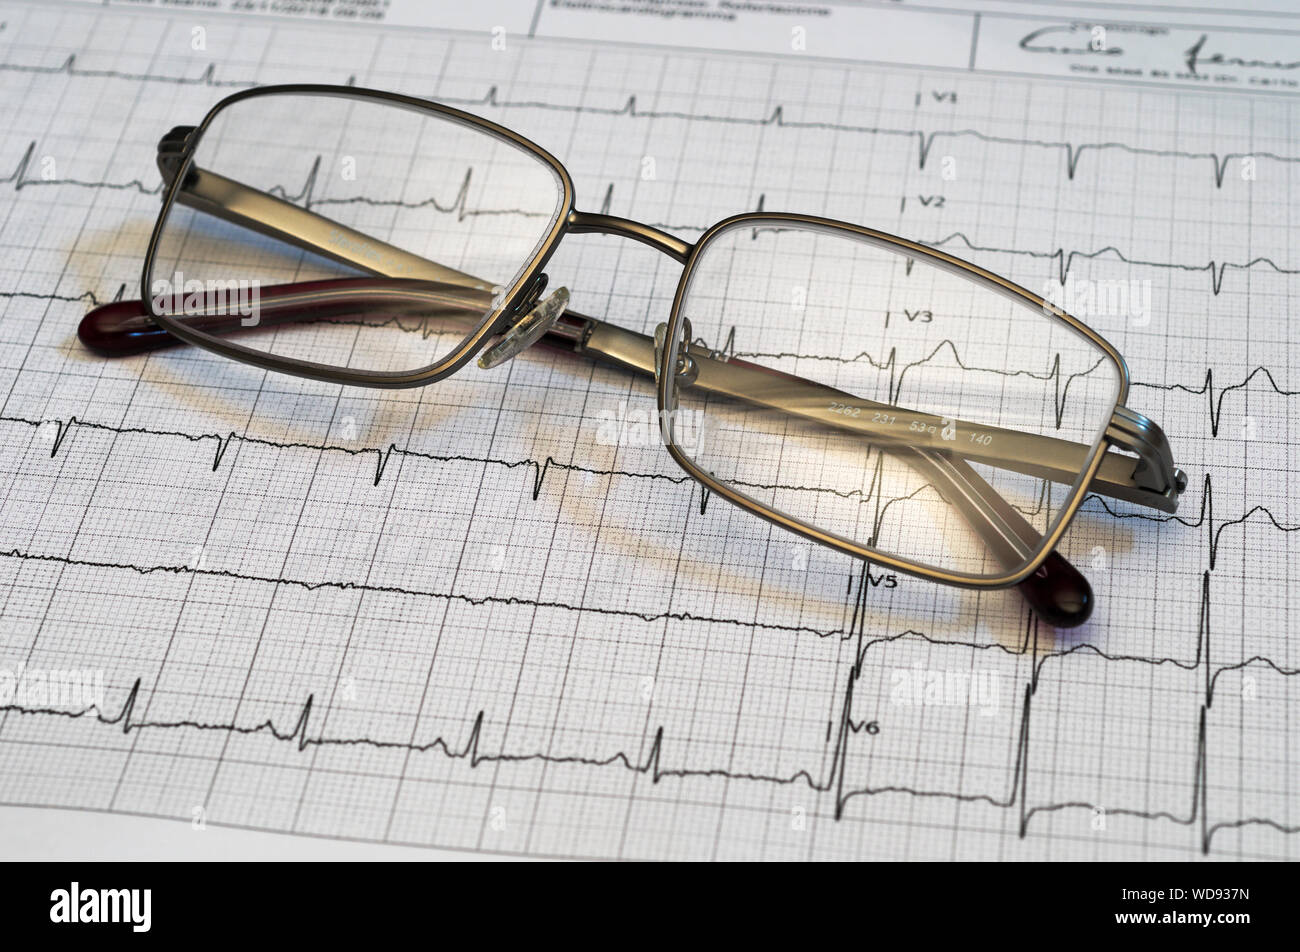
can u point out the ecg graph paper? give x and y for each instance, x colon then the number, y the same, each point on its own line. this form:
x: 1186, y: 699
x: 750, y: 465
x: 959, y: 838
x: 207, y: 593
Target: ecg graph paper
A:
x: 456, y: 616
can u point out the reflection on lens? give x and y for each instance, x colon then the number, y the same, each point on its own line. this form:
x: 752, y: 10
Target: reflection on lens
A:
x: 348, y: 231
x: 884, y: 400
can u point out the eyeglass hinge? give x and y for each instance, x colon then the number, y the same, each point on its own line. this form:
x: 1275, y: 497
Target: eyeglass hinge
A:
x: 1155, y: 471
x: 171, y: 151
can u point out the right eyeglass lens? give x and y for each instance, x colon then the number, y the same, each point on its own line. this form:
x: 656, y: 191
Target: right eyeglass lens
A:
x: 883, y: 399
x: 349, y: 231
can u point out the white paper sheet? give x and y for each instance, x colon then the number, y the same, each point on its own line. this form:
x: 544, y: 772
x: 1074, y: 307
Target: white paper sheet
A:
x: 546, y: 659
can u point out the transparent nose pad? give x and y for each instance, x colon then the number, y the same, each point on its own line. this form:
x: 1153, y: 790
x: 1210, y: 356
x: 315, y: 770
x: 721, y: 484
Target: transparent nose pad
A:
x: 527, y: 332
x: 687, y: 368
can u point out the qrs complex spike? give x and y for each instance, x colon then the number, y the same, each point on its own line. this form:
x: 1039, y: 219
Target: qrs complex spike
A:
x: 1216, y: 401
x: 1203, y: 519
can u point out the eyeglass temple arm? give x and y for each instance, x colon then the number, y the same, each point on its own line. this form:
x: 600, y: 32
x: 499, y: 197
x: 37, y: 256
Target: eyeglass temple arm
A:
x: 123, y: 328
x: 271, y: 216
x: 1045, y: 457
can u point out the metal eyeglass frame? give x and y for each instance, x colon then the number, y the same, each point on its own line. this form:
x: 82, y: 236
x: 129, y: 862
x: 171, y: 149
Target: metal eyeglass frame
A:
x: 1055, y: 589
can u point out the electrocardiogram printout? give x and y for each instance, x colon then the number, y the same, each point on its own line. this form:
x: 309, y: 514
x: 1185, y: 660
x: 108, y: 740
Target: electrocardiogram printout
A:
x: 464, y: 617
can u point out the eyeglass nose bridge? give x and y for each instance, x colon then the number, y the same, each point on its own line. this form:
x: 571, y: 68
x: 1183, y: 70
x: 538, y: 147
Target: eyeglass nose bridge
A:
x: 595, y: 223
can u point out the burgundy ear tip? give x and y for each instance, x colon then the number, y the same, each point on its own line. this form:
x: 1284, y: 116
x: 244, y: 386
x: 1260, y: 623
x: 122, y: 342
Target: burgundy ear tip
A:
x: 1059, y: 593
x: 117, y: 329
x: 93, y: 332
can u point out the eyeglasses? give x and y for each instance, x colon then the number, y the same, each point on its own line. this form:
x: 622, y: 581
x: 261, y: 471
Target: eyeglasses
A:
x: 867, y: 392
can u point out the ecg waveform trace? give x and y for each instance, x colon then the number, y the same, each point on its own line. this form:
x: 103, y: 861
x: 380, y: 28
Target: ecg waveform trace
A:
x: 1071, y: 151
x: 1064, y: 258
x: 832, y: 784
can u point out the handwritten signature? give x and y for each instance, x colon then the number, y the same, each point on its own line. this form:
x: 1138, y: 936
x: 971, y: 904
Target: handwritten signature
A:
x: 1088, y: 39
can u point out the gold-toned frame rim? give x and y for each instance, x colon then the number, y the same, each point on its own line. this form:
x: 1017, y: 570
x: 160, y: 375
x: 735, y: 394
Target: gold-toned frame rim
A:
x: 665, y: 390
x: 459, y: 355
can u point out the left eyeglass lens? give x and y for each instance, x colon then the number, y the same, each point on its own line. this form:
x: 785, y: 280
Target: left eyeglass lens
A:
x: 349, y: 231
